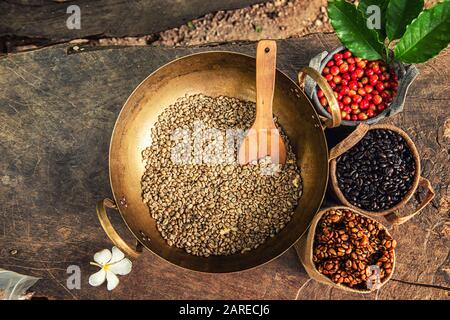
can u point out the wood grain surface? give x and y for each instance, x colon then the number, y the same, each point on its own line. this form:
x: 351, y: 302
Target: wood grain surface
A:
x: 57, y: 112
x: 45, y: 20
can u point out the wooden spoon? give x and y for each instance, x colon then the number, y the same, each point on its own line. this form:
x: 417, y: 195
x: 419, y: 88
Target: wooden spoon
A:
x: 263, y: 138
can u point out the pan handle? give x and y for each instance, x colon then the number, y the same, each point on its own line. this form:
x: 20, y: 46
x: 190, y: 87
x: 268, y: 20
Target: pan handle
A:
x: 111, y: 232
x: 336, y: 119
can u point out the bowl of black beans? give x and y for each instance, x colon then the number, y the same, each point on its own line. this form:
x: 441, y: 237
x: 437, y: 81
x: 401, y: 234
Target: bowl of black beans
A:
x: 376, y: 170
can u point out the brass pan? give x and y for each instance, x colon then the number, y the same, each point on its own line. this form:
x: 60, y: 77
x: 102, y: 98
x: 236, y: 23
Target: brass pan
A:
x: 213, y: 74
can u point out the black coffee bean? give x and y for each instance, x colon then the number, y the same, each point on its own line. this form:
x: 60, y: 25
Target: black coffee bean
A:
x: 377, y: 172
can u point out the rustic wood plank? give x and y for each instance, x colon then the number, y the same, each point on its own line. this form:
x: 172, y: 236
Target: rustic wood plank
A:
x: 57, y: 113
x: 46, y: 19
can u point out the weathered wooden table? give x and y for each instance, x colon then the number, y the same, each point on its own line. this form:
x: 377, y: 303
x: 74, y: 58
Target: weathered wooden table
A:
x: 45, y: 22
x: 57, y: 111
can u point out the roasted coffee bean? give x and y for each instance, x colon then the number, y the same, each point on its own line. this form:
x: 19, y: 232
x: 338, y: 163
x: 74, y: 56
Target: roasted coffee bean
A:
x: 381, y: 161
x: 346, y: 244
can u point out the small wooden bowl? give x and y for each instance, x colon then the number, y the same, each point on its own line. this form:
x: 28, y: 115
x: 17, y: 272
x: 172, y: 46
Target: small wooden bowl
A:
x: 305, y: 250
x: 390, y: 213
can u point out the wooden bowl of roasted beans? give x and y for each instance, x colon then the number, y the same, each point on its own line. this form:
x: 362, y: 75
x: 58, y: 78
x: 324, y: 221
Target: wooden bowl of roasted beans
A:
x: 376, y: 170
x: 348, y: 250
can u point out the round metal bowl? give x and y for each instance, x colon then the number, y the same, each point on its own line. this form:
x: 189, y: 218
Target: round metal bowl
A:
x: 212, y: 74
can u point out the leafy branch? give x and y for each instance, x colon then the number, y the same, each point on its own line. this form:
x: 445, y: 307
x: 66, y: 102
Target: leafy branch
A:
x: 418, y: 34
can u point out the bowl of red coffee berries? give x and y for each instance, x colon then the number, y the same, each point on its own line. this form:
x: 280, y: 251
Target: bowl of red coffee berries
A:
x: 364, y: 89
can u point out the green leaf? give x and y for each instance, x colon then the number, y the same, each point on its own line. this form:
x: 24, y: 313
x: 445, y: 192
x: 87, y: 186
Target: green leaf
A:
x: 399, y: 15
x: 351, y: 28
x: 382, y: 4
x: 191, y: 25
x: 426, y: 36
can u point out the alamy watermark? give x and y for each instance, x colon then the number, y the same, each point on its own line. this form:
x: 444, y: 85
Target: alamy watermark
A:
x: 74, y: 279
x: 74, y: 20
x: 373, y: 14
x: 212, y: 146
x: 373, y: 281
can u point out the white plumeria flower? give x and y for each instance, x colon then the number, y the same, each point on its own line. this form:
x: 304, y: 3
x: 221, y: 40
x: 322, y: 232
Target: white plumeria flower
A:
x: 111, y: 264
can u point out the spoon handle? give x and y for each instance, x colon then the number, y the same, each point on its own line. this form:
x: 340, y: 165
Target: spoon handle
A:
x: 266, y: 62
